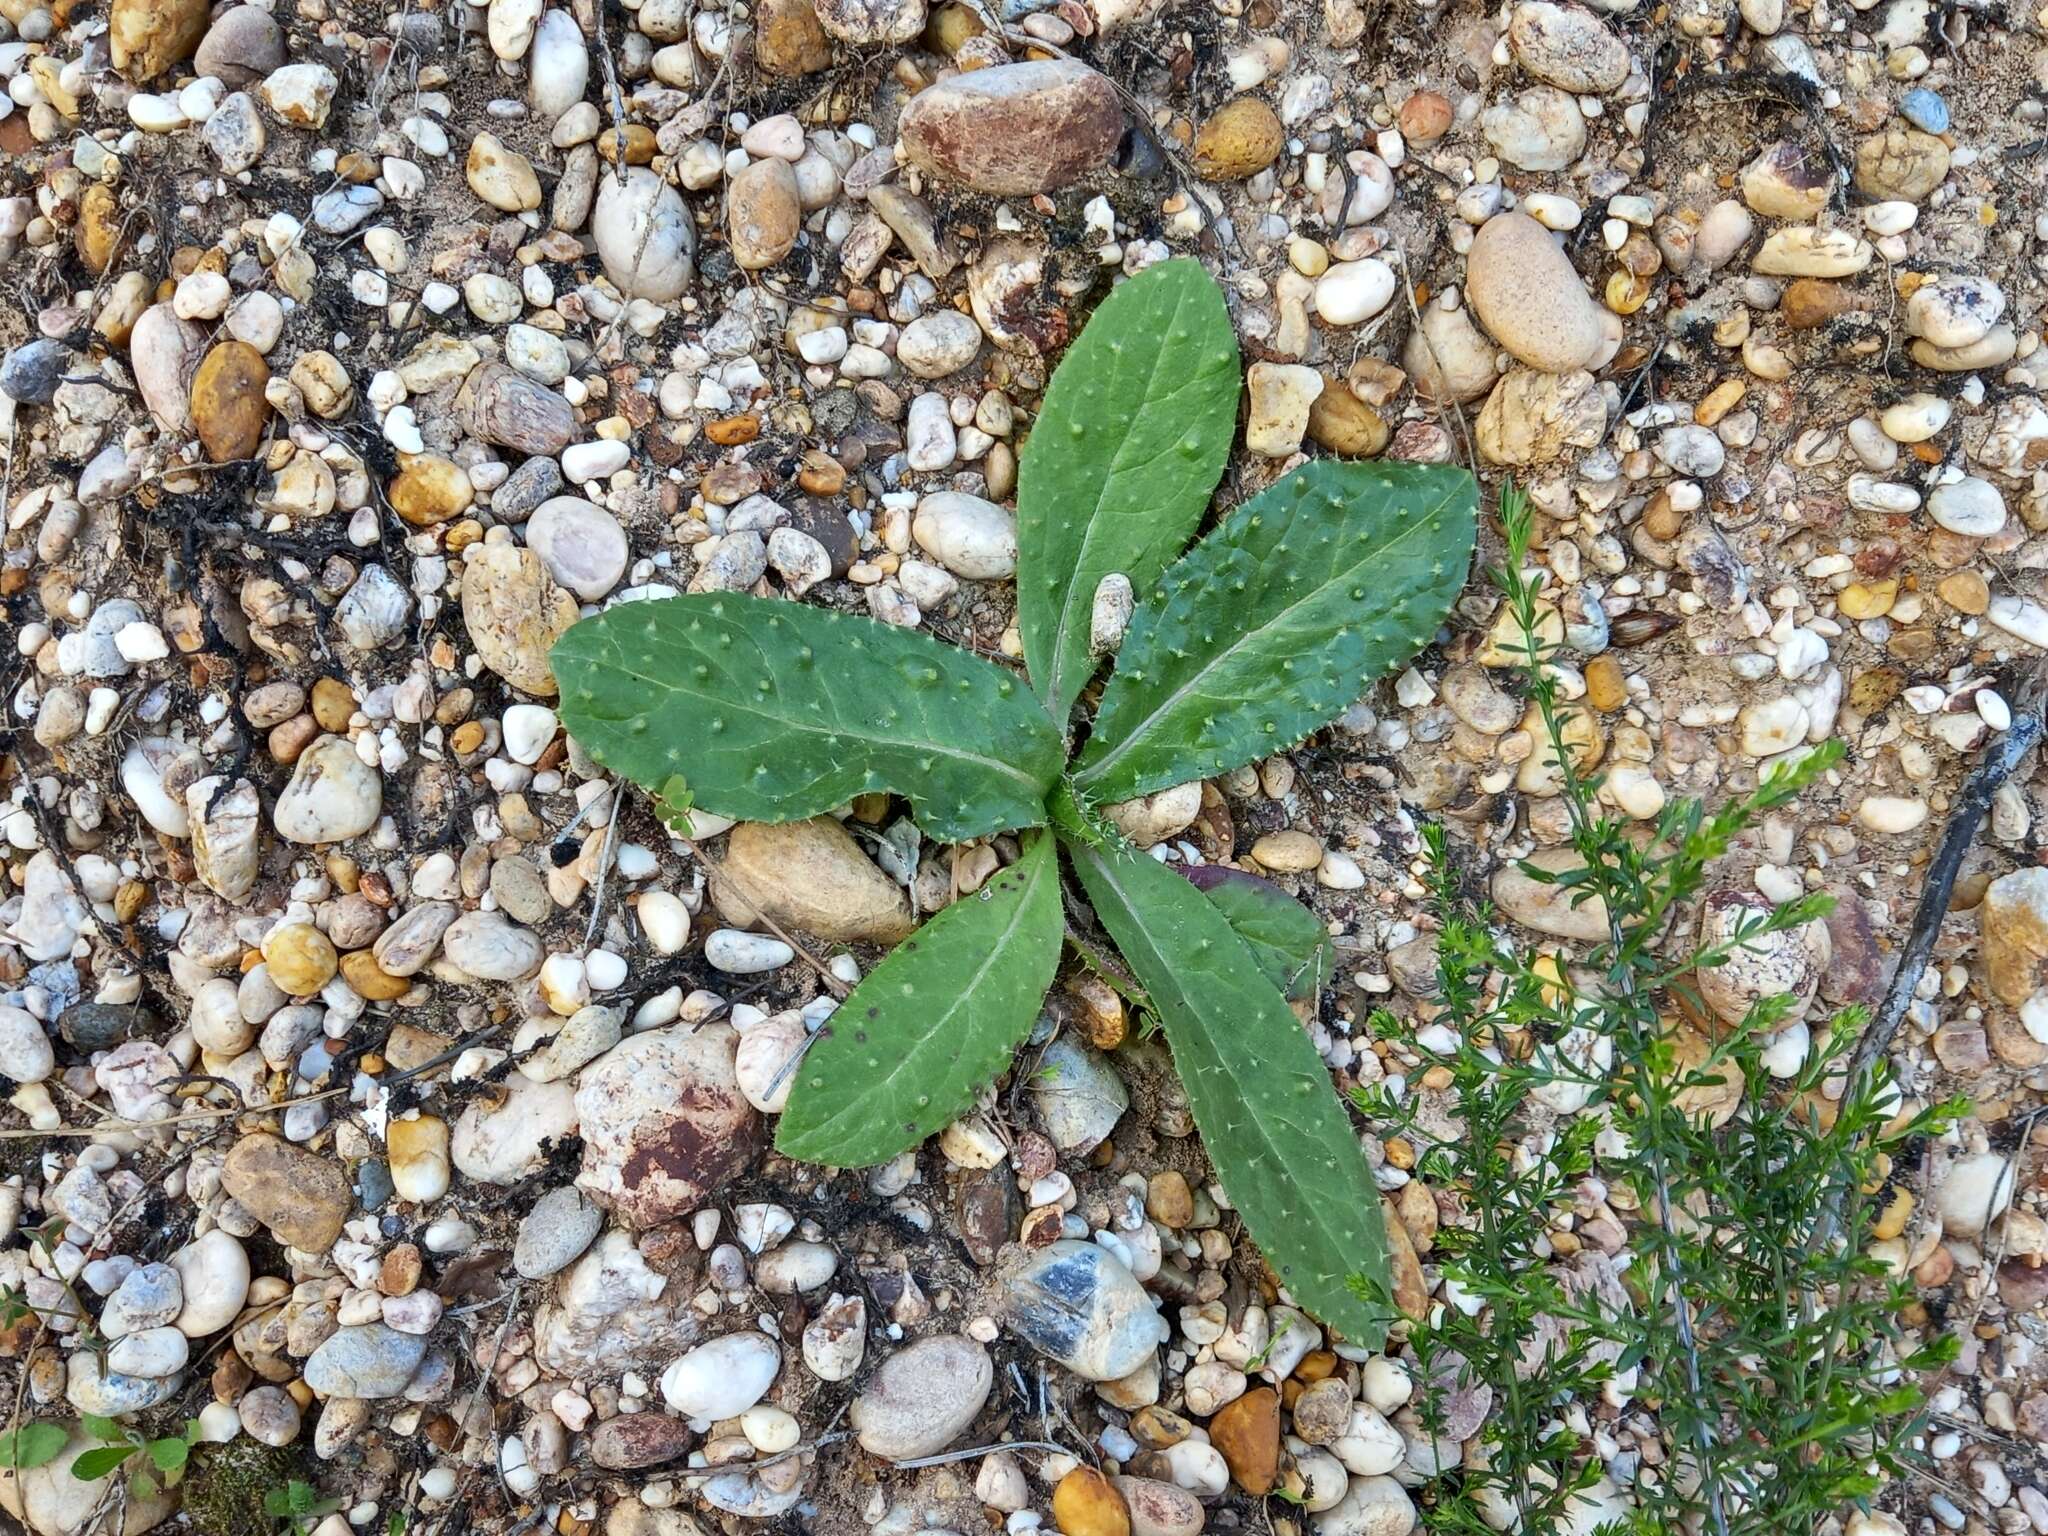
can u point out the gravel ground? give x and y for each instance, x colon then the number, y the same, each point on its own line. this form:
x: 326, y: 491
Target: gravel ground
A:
x: 346, y: 1010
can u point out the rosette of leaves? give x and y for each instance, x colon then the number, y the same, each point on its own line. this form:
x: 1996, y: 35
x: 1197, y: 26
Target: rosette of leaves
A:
x: 1269, y: 627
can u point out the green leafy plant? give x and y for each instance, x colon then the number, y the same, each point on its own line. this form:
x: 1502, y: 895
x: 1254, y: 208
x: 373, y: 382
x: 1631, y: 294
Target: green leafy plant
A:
x: 299, y: 1505
x: 35, y: 1444
x: 119, y: 1442
x: 1269, y: 627
x: 42, y: 1441
x: 1752, y: 1321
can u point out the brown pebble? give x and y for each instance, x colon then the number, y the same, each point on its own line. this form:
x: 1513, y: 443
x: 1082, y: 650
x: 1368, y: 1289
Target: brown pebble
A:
x: 333, y: 703
x: 399, y: 1272
x: 730, y: 431
x: 228, y: 405
x: 1240, y: 139
x: 1168, y: 1200
x: 370, y: 980
x: 1247, y: 1433
x: 1425, y: 117
x: 1084, y: 1504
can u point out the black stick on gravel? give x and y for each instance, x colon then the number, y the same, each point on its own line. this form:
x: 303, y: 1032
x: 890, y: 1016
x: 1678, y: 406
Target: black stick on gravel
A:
x: 1983, y: 784
x: 1972, y: 804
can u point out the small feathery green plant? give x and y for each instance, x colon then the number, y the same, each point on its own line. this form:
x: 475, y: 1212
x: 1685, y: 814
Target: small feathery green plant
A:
x: 1745, y: 1328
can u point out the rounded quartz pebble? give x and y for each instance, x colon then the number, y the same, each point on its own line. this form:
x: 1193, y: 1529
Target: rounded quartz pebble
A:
x: 923, y: 1397
x: 554, y: 1234
x: 1079, y: 1304
x: 580, y: 543
x: 722, y: 1378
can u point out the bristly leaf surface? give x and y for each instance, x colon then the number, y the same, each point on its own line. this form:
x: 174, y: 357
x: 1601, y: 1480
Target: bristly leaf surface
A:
x: 776, y: 711
x: 932, y: 1025
x: 1279, y: 620
x: 1289, y: 942
x: 1282, y: 1145
x: 1134, y: 433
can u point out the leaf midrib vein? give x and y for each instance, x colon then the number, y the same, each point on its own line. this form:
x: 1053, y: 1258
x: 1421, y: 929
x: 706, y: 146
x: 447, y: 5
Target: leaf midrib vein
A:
x: 793, y: 723
x: 1107, y: 864
x: 966, y: 993
x: 1069, y: 603
x: 1094, y: 772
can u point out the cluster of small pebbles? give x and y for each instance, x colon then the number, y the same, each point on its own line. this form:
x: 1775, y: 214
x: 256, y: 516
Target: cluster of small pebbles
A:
x: 389, y: 1088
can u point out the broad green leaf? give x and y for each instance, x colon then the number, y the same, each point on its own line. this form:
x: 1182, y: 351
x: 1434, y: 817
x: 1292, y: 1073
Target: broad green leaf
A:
x: 103, y: 1428
x: 1289, y: 942
x: 96, y: 1463
x: 932, y: 1025
x: 1282, y: 1144
x: 169, y: 1455
x: 1279, y: 620
x: 1135, y: 430
x: 776, y: 711
x: 33, y: 1445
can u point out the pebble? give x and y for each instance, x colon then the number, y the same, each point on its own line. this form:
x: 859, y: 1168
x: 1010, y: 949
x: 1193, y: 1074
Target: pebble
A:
x: 1925, y: 110
x: 1567, y: 46
x: 300, y: 94
x: 1540, y: 129
x: 968, y: 535
x: 1969, y: 506
x: 811, y: 876
x: 663, y: 1122
x: 151, y: 1296
x: 367, y: 1361
x: 1078, y: 1304
x: 31, y: 372
x: 301, y: 1197
x: 149, y: 1352
x: 166, y: 352
x: 1238, y: 140
x: 243, y: 45
x: 1973, y: 1193
x: 1954, y: 311
x: 1352, y: 292
x: 581, y: 544
x: 745, y: 954
x: 514, y: 612
x: 836, y: 1338
x: 333, y: 795
x: 1013, y: 129
x: 1371, y: 1506
x: 1536, y: 418
x: 936, y: 345
x: 723, y: 1378
x: 2013, y: 922
x: 213, y: 1279
x: 554, y: 1234
x: 1524, y: 291
x: 418, y: 1148
x: 1085, y: 1504
x: 1078, y: 1095
x: 26, y: 1054
x: 922, y: 1398
x: 764, y: 214
x: 1281, y: 397
x: 501, y: 176
x: 484, y: 945
x: 147, y: 37
x: 868, y: 23
x: 645, y: 236
x: 93, y: 1388
x: 558, y: 65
